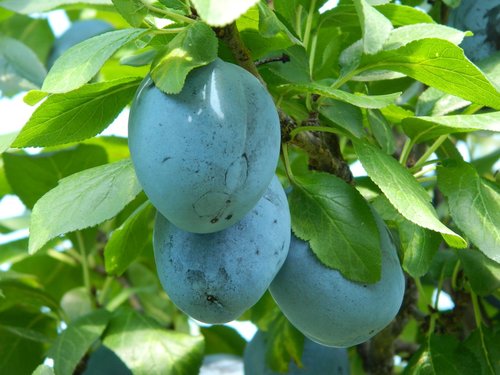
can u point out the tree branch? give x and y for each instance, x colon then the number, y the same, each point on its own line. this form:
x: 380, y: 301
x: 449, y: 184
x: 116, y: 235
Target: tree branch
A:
x: 378, y: 353
x: 323, y: 149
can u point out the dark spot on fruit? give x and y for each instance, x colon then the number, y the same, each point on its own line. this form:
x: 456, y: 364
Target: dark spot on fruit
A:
x: 275, y: 221
x: 257, y: 252
x: 166, y: 158
x: 365, y: 286
x: 214, y: 220
x: 228, y: 201
x: 228, y: 217
x: 212, y: 299
x: 371, y: 332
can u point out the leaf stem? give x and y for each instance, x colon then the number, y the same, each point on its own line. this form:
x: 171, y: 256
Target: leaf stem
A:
x: 85, y: 265
x: 299, y: 129
x: 438, y: 142
x: 427, y: 179
x: 169, y: 14
x: 105, y: 290
x: 479, y: 324
x: 433, y: 161
x: 454, y: 276
x: 424, y: 171
x: 169, y: 31
x: 307, y: 31
x: 286, y: 161
x: 405, y: 152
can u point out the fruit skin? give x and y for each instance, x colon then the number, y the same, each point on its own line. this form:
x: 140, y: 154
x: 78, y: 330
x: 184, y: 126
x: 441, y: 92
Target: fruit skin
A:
x: 77, y: 33
x: 483, y: 19
x: 316, y: 359
x: 206, y: 155
x: 215, y: 277
x: 330, y: 309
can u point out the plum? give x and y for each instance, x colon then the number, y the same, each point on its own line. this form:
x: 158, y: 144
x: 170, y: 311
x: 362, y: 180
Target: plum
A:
x: 77, y: 33
x: 205, y: 156
x: 316, y: 359
x: 328, y: 308
x: 483, y: 19
x: 215, y: 277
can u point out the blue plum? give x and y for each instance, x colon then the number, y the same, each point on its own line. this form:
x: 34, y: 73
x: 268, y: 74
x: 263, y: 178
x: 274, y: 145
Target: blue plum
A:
x: 330, y: 309
x: 77, y: 33
x: 205, y: 156
x: 316, y: 359
x: 483, y: 19
x: 215, y: 277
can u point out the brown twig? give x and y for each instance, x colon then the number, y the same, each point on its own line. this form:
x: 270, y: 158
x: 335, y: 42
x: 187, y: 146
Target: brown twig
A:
x: 378, y: 353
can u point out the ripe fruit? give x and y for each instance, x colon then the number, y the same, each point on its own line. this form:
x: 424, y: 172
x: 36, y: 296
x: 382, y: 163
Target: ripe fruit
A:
x: 215, y: 277
x: 483, y: 19
x: 316, y: 359
x: 205, y: 156
x: 330, y: 309
x: 78, y: 32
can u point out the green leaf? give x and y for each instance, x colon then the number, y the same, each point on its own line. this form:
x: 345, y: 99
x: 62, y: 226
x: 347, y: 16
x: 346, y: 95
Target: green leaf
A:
x: 75, y: 341
x: 419, y: 247
x: 33, y: 32
x: 474, y: 205
x: 403, y: 15
x: 484, y: 344
x: 345, y: 115
x: 284, y: 343
x: 183, y: 55
x: 223, y: 339
x: 424, y: 128
x: 6, y: 140
x: 220, y: 13
x: 451, y: 358
x: 81, y: 62
x: 129, y: 240
x: 403, y: 191
x: 21, y: 295
x: 375, y: 27
x: 437, y: 63
x: 148, y: 348
x: 407, y: 34
x: 31, y: 176
x: 40, y: 6
x: 43, y: 370
x: 21, y: 68
x: 297, y: 70
x: 50, y: 268
x: 359, y: 100
x: 482, y: 272
x: 338, y: 224
x: 382, y: 131
x: 77, y: 115
x: 82, y: 200
x: 133, y: 11
x: 19, y: 354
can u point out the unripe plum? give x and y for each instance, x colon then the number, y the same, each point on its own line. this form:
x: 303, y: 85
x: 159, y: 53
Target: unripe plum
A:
x: 483, y: 19
x: 77, y: 33
x: 330, y: 309
x: 215, y: 277
x: 205, y: 156
x: 316, y: 359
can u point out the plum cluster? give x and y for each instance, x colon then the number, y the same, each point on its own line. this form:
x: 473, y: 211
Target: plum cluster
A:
x: 206, y: 158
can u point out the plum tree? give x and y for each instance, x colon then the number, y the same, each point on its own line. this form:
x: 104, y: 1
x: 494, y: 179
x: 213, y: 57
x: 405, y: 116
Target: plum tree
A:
x: 215, y: 277
x: 483, y: 19
x: 330, y: 309
x: 78, y: 32
x: 316, y: 359
x: 205, y: 156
